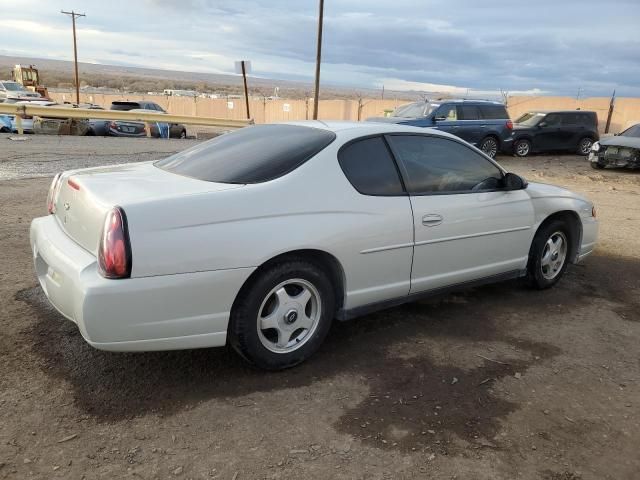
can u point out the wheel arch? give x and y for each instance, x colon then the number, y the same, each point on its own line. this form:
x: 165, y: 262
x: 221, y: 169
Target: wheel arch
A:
x: 322, y: 259
x: 575, y: 230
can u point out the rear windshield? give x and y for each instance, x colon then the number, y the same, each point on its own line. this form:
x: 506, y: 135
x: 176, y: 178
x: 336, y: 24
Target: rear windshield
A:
x: 124, y: 105
x: 250, y: 155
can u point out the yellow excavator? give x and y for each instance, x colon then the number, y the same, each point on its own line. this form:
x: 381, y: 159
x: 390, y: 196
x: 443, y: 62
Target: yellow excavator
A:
x: 29, y: 78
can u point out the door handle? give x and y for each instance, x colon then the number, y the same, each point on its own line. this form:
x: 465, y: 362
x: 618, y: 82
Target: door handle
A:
x: 431, y: 220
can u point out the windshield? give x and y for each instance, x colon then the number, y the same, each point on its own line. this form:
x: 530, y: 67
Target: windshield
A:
x: 13, y: 86
x: 530, y: 119
x: 632, y: 131
x: 414, y: 110
x: 250, y: 155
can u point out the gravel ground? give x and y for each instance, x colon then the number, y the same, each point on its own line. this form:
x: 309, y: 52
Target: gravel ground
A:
x: 499, y: 382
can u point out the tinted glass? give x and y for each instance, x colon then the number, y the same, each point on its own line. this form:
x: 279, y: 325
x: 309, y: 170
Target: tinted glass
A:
x: 569, y: 119
x: 125, y: 106
x: 369, y: 167
x: 249, y: 155
x: 494, y: 112
x: 587, y: 119
x: 553, y: 119
x: 632, y: 131
x: 468, y: 112
x: 439, y: 165
x: 448, y: 112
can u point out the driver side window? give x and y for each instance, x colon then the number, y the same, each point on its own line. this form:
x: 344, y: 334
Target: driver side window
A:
x: 434, y: 165
x: 448, y: 112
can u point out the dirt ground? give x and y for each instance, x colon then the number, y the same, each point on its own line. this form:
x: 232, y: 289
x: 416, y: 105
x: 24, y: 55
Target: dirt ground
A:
x: 499, y: 382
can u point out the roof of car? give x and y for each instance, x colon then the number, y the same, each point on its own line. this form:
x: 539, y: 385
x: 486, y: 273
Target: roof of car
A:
x: 561, y: 111
x: 367, y: 127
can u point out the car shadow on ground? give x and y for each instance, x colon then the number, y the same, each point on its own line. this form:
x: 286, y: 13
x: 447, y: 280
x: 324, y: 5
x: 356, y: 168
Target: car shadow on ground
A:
x: 408, y: 390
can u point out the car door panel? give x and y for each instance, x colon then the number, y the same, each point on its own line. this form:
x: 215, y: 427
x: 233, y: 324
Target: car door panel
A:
x: 479, y: 235
x: 466, y: 227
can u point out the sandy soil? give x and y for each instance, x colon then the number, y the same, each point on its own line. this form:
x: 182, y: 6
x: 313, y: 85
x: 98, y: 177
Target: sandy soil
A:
x: 499, y: 382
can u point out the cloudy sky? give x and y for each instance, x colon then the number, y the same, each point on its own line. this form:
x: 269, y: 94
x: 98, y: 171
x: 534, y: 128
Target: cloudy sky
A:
x: 546, y: 46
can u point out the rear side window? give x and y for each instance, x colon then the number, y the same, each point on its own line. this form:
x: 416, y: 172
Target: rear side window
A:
x: 494, y: 112
x: 468, y: 112
x: 124, y: 106
x: 369, y: 167
x: 439, y: 165
x: 587, y: 119
x: 250, y: 155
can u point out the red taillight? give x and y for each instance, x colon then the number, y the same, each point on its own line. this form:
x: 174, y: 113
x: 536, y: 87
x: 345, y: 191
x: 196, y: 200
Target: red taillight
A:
x: 51, y: 196
x: 72, y: 183
x: 114, y: 251
x: 509, y: 125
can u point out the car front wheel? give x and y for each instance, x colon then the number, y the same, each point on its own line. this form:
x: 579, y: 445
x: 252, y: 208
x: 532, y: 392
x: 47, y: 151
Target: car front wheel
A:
x: 522, y: 148
x: 584, y: 146
x: 282, y: 316
x: 549, y: 255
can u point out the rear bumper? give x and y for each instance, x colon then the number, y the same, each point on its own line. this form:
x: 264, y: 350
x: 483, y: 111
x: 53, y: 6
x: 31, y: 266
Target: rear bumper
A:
x: 506, y: 145
x: 168, y: 312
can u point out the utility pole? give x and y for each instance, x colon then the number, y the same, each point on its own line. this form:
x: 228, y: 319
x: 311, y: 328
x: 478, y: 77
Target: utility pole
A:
x: 75, y: 49
x: 610, y: 113
x: 246, y: 90
x: 318, y: 57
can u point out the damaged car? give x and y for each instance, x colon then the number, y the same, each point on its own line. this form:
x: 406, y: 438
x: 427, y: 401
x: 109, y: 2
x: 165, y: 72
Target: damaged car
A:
x: 621, y: 150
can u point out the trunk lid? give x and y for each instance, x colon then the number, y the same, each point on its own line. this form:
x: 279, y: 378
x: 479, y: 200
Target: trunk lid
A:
x: 85, y: 196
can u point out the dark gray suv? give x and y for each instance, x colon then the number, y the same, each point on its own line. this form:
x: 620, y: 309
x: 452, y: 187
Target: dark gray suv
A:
x: 482, y: 123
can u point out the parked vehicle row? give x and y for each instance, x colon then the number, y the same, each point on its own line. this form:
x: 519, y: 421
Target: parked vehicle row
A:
x: 93, y: 127
x: 487, y: 126
x: 261, y: 237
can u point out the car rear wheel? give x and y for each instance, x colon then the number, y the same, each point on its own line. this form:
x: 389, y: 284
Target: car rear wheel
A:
x: 549, y: 255
x: 489, y: 146
x: 584, y: 146
x: 522, y: 148
x: 282, y: 316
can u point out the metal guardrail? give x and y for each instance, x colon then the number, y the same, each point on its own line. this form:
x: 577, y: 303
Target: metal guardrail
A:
x: 19, y: 110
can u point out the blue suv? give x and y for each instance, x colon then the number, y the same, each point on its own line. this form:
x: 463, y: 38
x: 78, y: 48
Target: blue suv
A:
x: 482, y: 123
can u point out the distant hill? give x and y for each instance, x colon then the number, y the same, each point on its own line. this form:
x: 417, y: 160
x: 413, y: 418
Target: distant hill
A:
x: 58, y: 74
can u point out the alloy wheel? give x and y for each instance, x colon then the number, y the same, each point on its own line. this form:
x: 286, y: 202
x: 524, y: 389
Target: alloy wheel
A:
x: 490, y: 147
x: 289, y: 315
x: 554, y: 255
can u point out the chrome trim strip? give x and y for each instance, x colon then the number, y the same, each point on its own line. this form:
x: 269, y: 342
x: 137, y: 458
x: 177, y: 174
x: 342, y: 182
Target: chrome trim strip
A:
x: 472, y: 235
x: 388, y: 247
x: 440, y: 240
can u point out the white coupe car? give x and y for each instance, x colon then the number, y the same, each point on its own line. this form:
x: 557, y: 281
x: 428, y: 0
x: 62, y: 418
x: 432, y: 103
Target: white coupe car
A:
x: 263, y: 236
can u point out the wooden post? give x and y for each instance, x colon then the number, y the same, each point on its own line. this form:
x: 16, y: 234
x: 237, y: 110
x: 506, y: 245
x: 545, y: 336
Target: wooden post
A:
x: 316, y: 94
x: 246, y: 91
x: 75, y: 49
x: 610, y: 114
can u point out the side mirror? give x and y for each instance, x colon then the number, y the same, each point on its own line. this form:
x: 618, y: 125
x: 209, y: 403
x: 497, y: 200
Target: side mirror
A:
x: 511, y: 181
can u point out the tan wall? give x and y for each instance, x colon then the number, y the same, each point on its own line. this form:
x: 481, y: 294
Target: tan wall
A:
x: 626, y: 112
x: 262, y: 111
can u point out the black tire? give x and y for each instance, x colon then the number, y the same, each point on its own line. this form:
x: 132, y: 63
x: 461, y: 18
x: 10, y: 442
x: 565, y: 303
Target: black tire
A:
x: 597, y: 165
x: 490, y: 146
x: 245, y: 314
x: 536, y: 277
x: 522, y: 147
x: 584, y: 146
